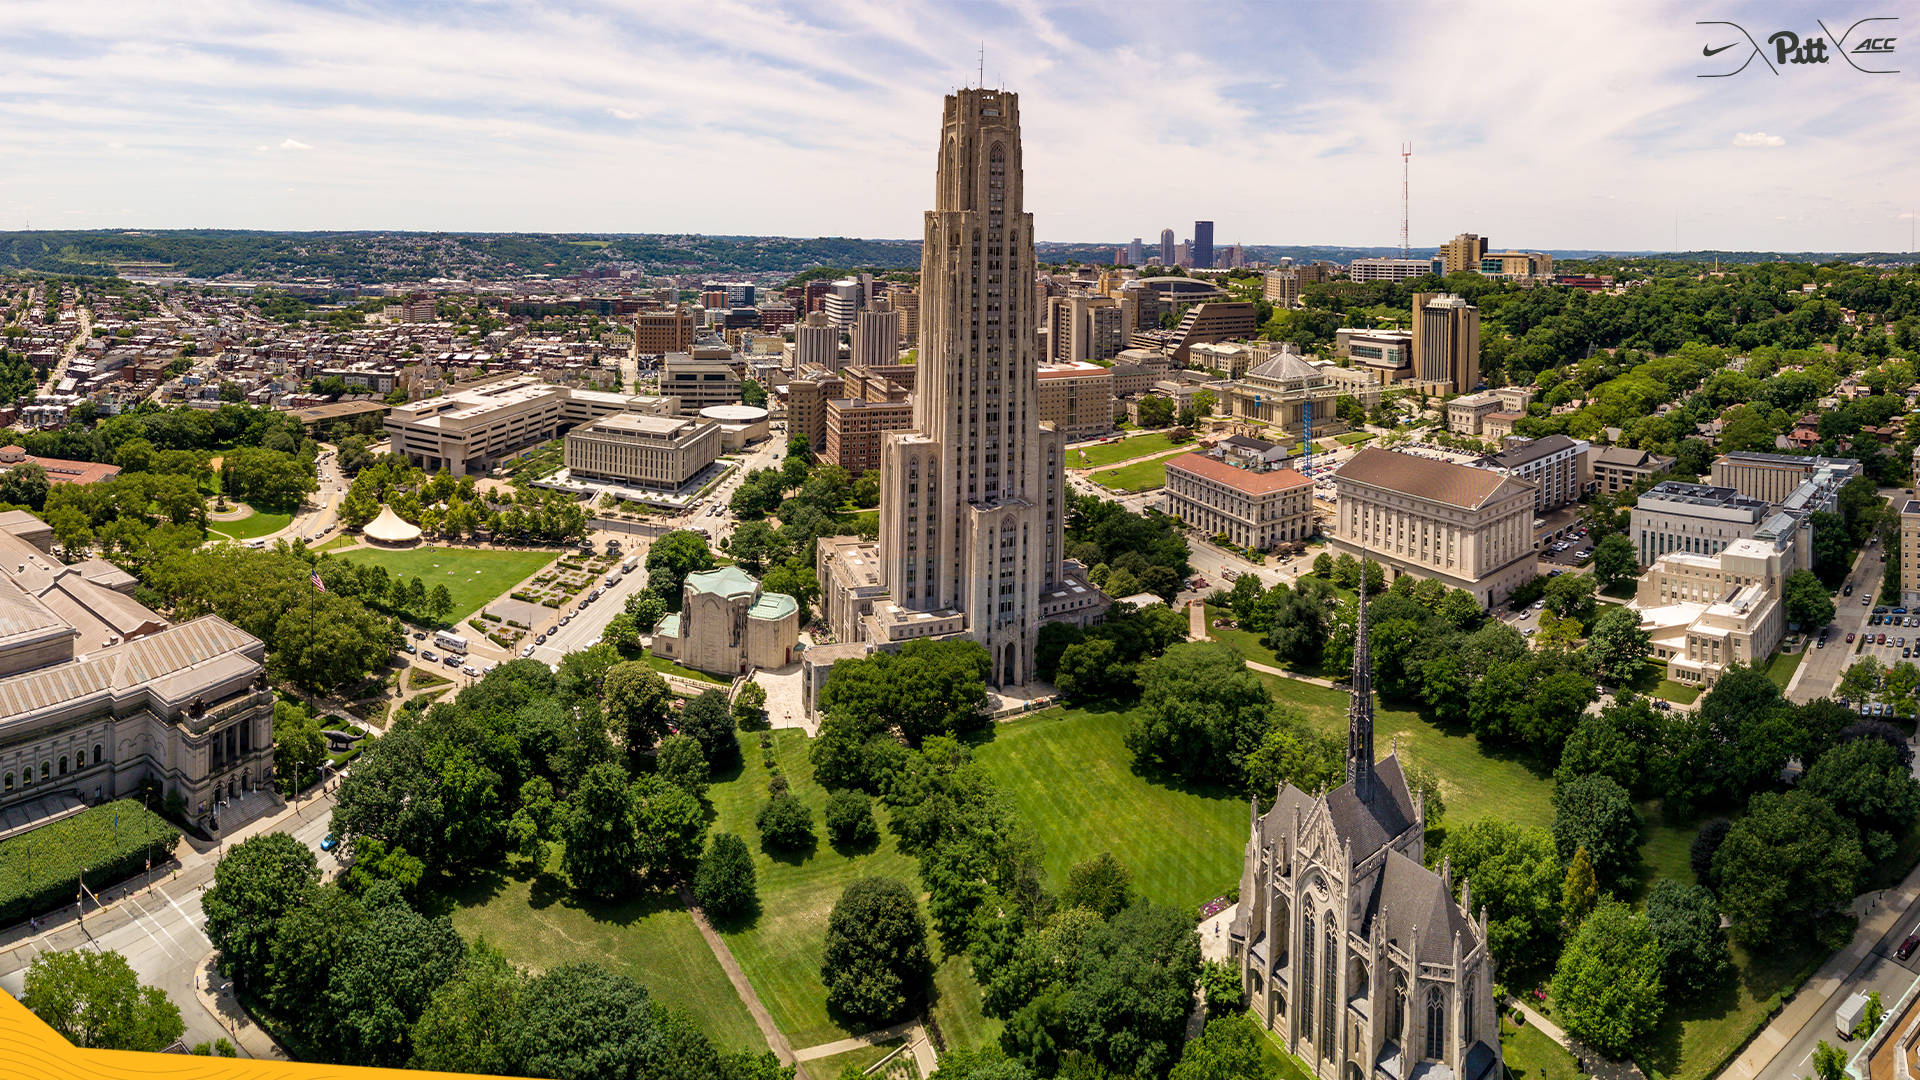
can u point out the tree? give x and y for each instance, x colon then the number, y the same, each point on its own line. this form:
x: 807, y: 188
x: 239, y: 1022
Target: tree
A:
x: 670, y: 559
x: 439, y: 603
x: 387, y: 974
x: 1570, y: 596
x: 1102, y: 885
x: 1686, y: 923
x: 1788, y: 862
x: 256, y: 883
x: 299, y: 746
x: 927, y: 688
x: 1617, y: 645
x: 1293, y: 752
x: 1596, y: 814
x: 622, y: 634
x: 682, y: 763
x: 602, y: 844
x: 1706, y: 843
x: 1806, y: 601
x: 1862, y: 678
x: 647, y: 609
x: 709, y: 719
x: 1201, y: 713
x: 876, y: 965
x: 1828, y: 1062
x: 1229, y: 1049
x: 1092, y: 670
x: 1607, y: 982
x: 467, y: 1022
x: 94, y: 1001
x: 785, y: 823
x: 637, y: 705
x: 669, y: 825
x: 724, y: 884
x: 1613, y: 742
x: 1516, y: 875
x: 25, y: 485
x: 750, y: 707
x: 1615, y: 562
x: 1580, y: 890
x: 1865, y: 780
x: 583, y: 1022
x: 849, y: 820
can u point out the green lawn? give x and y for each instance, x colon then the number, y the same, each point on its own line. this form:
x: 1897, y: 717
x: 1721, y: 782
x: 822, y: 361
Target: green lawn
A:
x: 1280, y: 1065
x: 1781, y: 668
x: 1139, y: 476
x: 539, y: 923
x: 337, y: 542
x: 475, y: 576
x: 1695, y: 1041
x: 862, y: 1059
x: 249, y: 527
x: 668, y: 667
x: 1354, y: 438
x: 1475, y: 784
x: 1529, y: 1055
x: 1070, y: 777
x: 781, y: 950
x: 1678, y: 693
x: 1092, y: 457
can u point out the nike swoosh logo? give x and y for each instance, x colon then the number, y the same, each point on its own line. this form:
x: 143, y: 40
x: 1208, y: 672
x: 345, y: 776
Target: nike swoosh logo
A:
x: 1704, y: 51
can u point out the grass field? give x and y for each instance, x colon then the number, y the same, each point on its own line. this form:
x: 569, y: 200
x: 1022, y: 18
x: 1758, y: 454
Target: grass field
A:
x: 422, y: 679
x: 668, y: 667
x: 1069, y: 776
x: 1693, y: 1042
x: 540, y: 924
x: 780, y: 950
x: 1781, y: 668
x: 1355, y: 438
x: 1139, y: 476
x: 1092, y: 457
x: 1678, y: 693
x: 474, y: 576
x: 1529, y: 1055
x: 1280, y: 1065
x: 337, y: 543
x: 1476, y: 785
x: 247, y: 528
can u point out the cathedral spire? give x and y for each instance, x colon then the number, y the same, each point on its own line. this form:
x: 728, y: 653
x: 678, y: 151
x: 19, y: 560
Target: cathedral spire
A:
x: 1360, y: 704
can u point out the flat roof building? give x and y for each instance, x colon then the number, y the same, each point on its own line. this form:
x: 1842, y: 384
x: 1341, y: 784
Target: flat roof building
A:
x: 1617, y: 468
x: 855, y: 428
x: 656, y: 452
x: 1553, y: 464
x: 1392, y: 269
x: 1468, y: 528
x: 1077, y: 398
x: 1808, y: 483
x: 1702, y: 519
x: 699, y: 383
x: 474, y: 428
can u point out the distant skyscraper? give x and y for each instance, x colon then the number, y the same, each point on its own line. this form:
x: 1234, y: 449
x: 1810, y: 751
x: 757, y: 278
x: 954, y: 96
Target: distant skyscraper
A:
x: 1136, y: 252
x: 1166, y: 247
x: 973, y: 501
x: 1463, y: 252
x: 1203, y: 245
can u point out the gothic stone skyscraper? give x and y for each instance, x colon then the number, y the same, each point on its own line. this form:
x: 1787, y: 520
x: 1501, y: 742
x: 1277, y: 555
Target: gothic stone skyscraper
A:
x: 1349, y: 948
x: 973, y: 498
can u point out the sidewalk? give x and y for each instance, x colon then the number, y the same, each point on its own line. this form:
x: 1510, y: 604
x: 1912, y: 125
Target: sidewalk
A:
x: 1815, y: 996
x: 748, y: 997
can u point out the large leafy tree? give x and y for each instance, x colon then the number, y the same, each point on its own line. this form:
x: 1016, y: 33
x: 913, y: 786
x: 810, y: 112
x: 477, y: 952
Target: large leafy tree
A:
x: 876, y: 964
x: 1607, y: 982
x: 468, y: 1021
x: 583, y: 1022
x: 709, y: 718
x: 256, y: 883
x: 1686, y: 923
x: 1791, y: 860
x: 725, y: 883
x: 1229, y: 1049
x: 927, y: 688
x: 390, y: 969
x: 94, y: 1001
x: 1515, y: 873
x: 1806, y: 600
x: 1865, y: 780
x: 637, y: 707
x: 602, y: 854
x: 1617, y: 645
x: 670, y: 559
x: 1615, y: 561
x: 1595, y: 813
x: 309, y: 941
x: 1201, y: 713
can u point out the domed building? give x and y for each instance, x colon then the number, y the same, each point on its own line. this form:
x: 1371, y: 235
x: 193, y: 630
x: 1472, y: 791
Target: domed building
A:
x: 726, y: 625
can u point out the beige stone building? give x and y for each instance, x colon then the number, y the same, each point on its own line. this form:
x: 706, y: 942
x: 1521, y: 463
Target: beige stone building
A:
x: 1617, y: 468
x: 856, y: 427
x: 1077, y: 399
x: 1467, y: 414
x: 699, y: 383
x: 1497, y: 427
x: 1446, y: 340
x: 99, y: 694
x: 1701, y: 519
x: 816, y: 344
x: 1463, y: 252
x: 1225, y: 357
x: 727, y: 626
x: 1779, y: 478
x: 474, y: 428
x: 1468, y: 528
x: 1705, y: 612
x: 1910, y: 553
x: 656, y: 333
x: 1255, y: 509
x: 1084, y: 328
x: 657, y: 452
x: 876, y: 335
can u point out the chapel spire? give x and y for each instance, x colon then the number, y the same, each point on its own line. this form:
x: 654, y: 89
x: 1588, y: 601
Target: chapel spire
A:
x: 1360, y: 704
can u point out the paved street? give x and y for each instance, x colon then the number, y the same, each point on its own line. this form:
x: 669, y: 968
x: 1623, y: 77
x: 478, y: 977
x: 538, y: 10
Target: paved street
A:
x: 159, y: 929
x: 1820, y: 672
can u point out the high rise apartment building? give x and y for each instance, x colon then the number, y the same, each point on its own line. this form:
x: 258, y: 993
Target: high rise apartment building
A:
x: 816, y: 343
x: 843, y: 301
x: 973, y: 504
x: 1202, y: 250
x: 855, y: 429
x: 656, y: 333
x: 1392, y: 269
x: 1083, y: 328
x: 907, y: 302
x: 876, y: 335
x: 1463, y: 252
x: 1166, y: 247
x: 1077, y: 399
x: 1136, y: 252
x: 1446, y: 340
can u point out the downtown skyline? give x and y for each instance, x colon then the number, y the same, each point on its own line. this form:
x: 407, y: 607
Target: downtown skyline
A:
x: 1282, y: 124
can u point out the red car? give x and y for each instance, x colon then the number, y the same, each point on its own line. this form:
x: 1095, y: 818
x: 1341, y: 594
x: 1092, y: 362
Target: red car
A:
x: 1906, y: 947
x: 1849, y: 637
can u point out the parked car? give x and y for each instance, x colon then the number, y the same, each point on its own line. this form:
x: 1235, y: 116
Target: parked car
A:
x: 1849, y: 637
x: 330, y: 841
x: 528, y: 651
x: 407, y: 647
x: 470, y: 671
x: 540, y: 639
x: 450, y: 661
x: 419, y: 635
x: 565, y: 619
x: 429, y: 655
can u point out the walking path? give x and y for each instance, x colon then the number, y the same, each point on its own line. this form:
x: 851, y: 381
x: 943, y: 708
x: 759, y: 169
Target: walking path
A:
x: 761, y: 1018
x: 855, y: 1042
x: 1590, y: 1062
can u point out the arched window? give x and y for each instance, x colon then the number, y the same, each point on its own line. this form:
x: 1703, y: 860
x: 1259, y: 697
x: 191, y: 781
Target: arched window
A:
x: 46, y: 770
x: 1330, y: 991
x: 63, y: 764
x: 9, y: 786
x: 1436, y: 1023
x: 1306, y: 974
x: 1466, y: 1011
x: 97, y: 757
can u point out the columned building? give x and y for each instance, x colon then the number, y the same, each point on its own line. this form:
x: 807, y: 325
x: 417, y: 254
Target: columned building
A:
x: 1366, y: 964
x: 973, y: 503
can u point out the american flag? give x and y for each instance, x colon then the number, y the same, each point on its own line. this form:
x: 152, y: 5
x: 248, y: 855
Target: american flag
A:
x: 317, y: 583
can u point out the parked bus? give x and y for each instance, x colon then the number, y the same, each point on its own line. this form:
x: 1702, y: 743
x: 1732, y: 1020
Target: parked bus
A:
x: 450, y: 642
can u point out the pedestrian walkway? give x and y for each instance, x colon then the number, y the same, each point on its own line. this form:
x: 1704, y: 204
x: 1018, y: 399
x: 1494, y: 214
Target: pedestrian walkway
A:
x: 761, y: 1018
x: 855, y: 1042
x: 1589, y: 1061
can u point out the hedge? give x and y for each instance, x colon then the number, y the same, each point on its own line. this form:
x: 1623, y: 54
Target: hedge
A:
x: 62, y: 851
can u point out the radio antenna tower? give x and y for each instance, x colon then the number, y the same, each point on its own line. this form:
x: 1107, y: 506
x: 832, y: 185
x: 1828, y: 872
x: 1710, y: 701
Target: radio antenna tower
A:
x: 1406, y: 168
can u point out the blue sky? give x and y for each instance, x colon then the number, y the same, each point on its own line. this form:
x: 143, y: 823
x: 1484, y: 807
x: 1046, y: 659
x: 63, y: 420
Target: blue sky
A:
x: 1538, y: 125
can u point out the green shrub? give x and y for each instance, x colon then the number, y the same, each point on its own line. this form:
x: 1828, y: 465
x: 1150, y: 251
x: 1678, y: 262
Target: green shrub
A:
x: 57, y: 855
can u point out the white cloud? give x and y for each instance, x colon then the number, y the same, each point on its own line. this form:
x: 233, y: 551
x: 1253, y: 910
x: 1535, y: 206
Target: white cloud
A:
x: 622, y: 114
x: 1751, y: 140
x: 294, y: 144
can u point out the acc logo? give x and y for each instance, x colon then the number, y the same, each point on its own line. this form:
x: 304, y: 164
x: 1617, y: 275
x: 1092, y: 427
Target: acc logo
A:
x: 1783, y: 47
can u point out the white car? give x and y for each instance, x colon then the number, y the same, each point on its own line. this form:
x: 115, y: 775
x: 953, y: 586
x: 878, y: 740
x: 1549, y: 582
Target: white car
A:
x: 528, y: 651
x: 471, y: 671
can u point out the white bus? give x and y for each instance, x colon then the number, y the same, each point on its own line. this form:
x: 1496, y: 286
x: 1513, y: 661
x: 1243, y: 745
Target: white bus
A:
x: 450, y: 642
